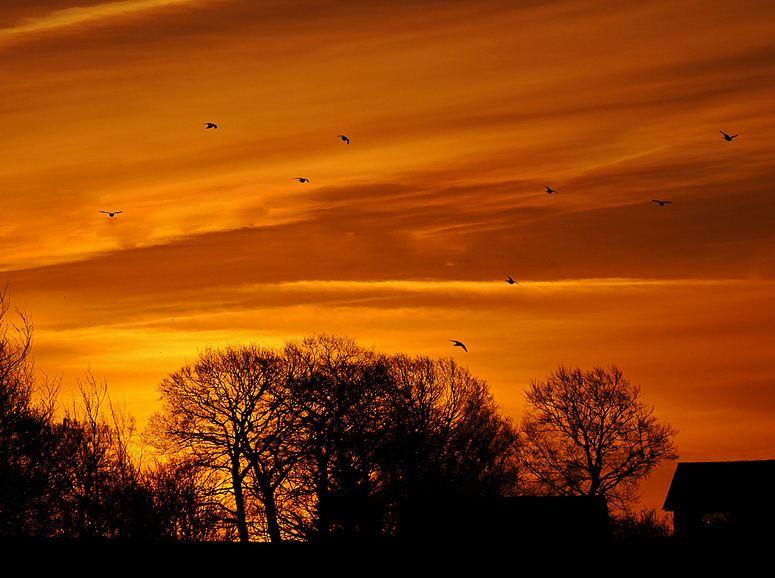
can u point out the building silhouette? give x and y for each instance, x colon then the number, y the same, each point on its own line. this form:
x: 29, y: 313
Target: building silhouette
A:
x: 734, y: 500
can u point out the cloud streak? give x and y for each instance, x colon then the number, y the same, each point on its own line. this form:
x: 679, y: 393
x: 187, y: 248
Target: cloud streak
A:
x: 66, y: 18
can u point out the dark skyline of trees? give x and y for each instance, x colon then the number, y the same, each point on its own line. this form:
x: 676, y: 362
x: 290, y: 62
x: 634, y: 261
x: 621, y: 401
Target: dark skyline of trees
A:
x: 32, y: 448
x: 73, y: 471
x: 321, y: 439
x: 327, y: 438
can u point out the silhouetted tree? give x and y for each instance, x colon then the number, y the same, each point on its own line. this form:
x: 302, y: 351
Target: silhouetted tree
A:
x: 227, y: 411
x: 328, y: 439
x: 384, y: 430
x: 186, y: 503
x: 445, y: 438
x: 109, y: 494
x: 82, y: 476
x: 439, y: 427
x: 589, y: 433
x: 33, y: 453
x: 338, y: 390
x: 91, y: 465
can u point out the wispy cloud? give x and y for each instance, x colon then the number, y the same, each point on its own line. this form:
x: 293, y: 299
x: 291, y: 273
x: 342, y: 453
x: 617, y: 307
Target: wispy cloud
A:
x: 488, y: 286
x: 77, y: 15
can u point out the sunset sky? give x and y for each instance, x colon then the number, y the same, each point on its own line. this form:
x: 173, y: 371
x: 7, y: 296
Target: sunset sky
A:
x: 459, y: 115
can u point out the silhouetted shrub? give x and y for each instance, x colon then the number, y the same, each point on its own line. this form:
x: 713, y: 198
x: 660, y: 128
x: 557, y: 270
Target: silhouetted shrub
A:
x: 645, y: 523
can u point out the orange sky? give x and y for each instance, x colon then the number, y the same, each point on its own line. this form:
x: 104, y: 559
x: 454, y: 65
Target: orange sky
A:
x: 459, y: 114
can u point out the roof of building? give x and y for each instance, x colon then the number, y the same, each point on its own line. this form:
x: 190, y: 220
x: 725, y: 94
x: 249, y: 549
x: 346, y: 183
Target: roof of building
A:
x: 721, y: 486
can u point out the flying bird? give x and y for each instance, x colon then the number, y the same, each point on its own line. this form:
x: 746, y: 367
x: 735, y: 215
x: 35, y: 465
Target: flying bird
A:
x: 726, y: 136
x: 549, y: 191
x: 211, y: 125
x: 458, y: 344
x: 302, y: 180
x: 509, y: 280
x: 662, y: 203
x: 344, y: 138
x: 111, y: 213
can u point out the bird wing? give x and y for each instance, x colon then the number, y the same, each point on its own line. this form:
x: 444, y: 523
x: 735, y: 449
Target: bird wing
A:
x: 459, y: 344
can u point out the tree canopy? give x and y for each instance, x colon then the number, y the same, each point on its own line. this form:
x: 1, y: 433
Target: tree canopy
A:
x: 589, y: 433
x: 327, y: 438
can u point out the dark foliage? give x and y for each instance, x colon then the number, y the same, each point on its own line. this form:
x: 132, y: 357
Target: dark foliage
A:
x: 643, y: 524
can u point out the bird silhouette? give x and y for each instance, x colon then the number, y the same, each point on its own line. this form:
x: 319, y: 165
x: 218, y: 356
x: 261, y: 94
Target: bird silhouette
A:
x: 549, y: 191
x: 211, y: 125
x: 726, y: 136
x: 302, y: 180
x: 111, y: 213
x: 509, y: 280
x: 344, y: 138
x: 662, y: 203
x: 458, y: 344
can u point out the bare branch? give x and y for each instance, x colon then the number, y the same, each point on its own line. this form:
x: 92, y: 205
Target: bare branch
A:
x: 589, y: 433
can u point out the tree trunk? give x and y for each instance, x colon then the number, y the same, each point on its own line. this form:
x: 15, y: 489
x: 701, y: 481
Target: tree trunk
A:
x: 239, y: 500
x: 270, y: 507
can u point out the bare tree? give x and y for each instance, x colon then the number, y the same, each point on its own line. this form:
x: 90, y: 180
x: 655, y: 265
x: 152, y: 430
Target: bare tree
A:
x: 226, y: 410
x: 328, y: 439
x: 447, y: 431
x: 186, y: 505
x: 112, y: 492
x: 382, y: 430
x: 589, y: 433
x: 109, y: 495
x: 33, y: 453
x: 58, y: 478
x: 85, y: 422
x: 338, y: 388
